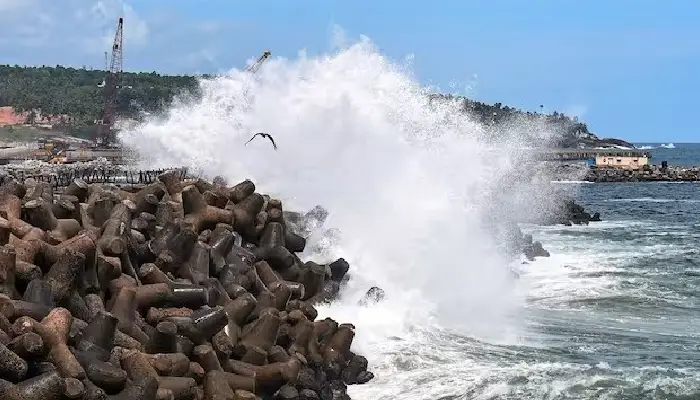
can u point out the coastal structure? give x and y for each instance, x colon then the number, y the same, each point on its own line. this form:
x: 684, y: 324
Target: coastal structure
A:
x: 601, y: 158
x: 651, y: 173
x: 64, y: 155
x: 632, y: 159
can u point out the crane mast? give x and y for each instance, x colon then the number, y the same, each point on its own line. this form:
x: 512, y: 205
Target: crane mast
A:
x: 256, y: 65
x: 106, y: 135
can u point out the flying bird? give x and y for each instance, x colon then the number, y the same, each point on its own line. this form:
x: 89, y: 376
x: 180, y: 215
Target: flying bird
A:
x: 265, y: 135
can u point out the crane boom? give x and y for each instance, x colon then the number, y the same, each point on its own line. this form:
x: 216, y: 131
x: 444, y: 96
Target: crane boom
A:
x: 106, y: 135
x: 253, y: 68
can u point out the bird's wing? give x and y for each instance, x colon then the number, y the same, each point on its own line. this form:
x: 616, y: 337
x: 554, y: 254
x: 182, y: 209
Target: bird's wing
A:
x: 274, y: 145
x: 251, y: 139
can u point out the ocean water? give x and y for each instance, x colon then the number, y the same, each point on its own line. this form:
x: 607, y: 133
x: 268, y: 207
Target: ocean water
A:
x: 411, y: 187
x: 617, y: 303
x: 675, y: 153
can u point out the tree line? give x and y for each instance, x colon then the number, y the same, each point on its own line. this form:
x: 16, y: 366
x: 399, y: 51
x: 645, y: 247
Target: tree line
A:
x: 78, y: 93
x: 500, y: 121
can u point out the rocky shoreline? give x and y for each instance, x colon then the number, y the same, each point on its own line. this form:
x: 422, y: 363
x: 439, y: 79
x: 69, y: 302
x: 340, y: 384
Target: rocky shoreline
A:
x: 652, y: 173
x: 567, y: 212
x: 182, y: 289
x: 173, y: 289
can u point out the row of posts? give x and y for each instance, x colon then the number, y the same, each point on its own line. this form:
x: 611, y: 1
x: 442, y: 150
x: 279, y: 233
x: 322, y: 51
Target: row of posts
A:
x: 60, y: 179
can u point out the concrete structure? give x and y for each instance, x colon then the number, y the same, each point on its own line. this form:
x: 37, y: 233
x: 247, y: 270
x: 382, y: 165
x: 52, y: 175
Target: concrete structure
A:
x: 611, y: 158
x: 17, y: 154
x: 90, y: 154
x: 627, y: 159
x: 12, y: 153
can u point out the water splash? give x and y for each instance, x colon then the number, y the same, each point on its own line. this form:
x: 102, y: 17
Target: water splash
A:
x: 408, y: 183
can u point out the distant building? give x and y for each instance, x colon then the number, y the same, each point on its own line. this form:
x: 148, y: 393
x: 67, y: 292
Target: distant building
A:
x: 600, y: 158
x: 10, y: 117
x: 632, y: 159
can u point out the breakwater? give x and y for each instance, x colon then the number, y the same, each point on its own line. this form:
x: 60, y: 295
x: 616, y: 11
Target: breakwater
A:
x: 651, y: 173
x: 61, y: 176
x: 654, y: 173
x: 179, y: 289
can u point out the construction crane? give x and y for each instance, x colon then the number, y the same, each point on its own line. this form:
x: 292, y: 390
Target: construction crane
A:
x: 253, y: 68
x: 105, y: 132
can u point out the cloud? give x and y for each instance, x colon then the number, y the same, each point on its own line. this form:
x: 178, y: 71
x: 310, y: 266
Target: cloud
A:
x: 13, y: 5
x: 78, y: 32
x: 76, y: 26
x: 102, y: 16
x: 204, y: 57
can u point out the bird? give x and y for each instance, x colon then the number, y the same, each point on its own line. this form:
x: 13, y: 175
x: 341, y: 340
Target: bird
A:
x: 265, y: 135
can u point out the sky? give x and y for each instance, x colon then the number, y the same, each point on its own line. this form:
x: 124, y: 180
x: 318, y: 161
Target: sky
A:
x: 629, y: 68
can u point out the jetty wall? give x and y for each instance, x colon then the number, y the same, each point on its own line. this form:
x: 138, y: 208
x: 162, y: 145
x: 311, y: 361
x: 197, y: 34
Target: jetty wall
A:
x: 650, y: 173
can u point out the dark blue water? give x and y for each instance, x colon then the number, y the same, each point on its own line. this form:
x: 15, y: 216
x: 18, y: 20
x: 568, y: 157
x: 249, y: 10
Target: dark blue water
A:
x: 674, y: 153
x: 618, y: 303
x: 613, y: 314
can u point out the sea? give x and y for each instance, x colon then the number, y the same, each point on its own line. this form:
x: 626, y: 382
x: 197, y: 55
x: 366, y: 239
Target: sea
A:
x: 686, y: 154
x: 613, y: 313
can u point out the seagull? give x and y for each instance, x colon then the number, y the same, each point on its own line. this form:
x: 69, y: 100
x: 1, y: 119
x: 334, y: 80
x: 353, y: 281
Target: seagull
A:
x: 265, y: 135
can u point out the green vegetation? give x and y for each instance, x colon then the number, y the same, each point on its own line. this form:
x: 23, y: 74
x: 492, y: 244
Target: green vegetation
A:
x: 569, y: 130
x: 77, y: 93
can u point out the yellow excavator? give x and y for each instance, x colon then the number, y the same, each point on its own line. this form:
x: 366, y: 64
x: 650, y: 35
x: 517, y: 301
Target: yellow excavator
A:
x: 58, y: 158
x: 52, y: 151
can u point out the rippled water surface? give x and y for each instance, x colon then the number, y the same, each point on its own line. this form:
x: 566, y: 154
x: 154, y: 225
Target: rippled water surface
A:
x: 612, y: 314
x: 614, y: 311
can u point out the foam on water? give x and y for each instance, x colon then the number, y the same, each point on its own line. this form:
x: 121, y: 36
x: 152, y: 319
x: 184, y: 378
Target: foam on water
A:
x: 407, y: 183
x: 654, y: 200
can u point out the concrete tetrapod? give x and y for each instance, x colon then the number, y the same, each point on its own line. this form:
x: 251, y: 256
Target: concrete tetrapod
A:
x: 175, y: 290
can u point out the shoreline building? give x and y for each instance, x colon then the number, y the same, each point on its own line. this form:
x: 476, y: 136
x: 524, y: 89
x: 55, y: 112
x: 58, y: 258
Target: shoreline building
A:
x: 600, y: 158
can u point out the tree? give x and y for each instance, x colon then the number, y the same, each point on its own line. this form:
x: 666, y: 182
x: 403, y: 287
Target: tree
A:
x: 73, y: 96
x: 60, y: 91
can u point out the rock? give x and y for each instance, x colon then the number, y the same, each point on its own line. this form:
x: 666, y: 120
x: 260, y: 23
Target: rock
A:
x: 567, y: 212
x: 538, y: 250
x: 524, y: 244
x: 648, y: 173
x: 373, y: 296
x: 175, y: 289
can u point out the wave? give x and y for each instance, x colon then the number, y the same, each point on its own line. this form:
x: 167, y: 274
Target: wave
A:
x: 412, y: 188
x: 660, y: 146
x: 652, y: 200
x: 571, y: 182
